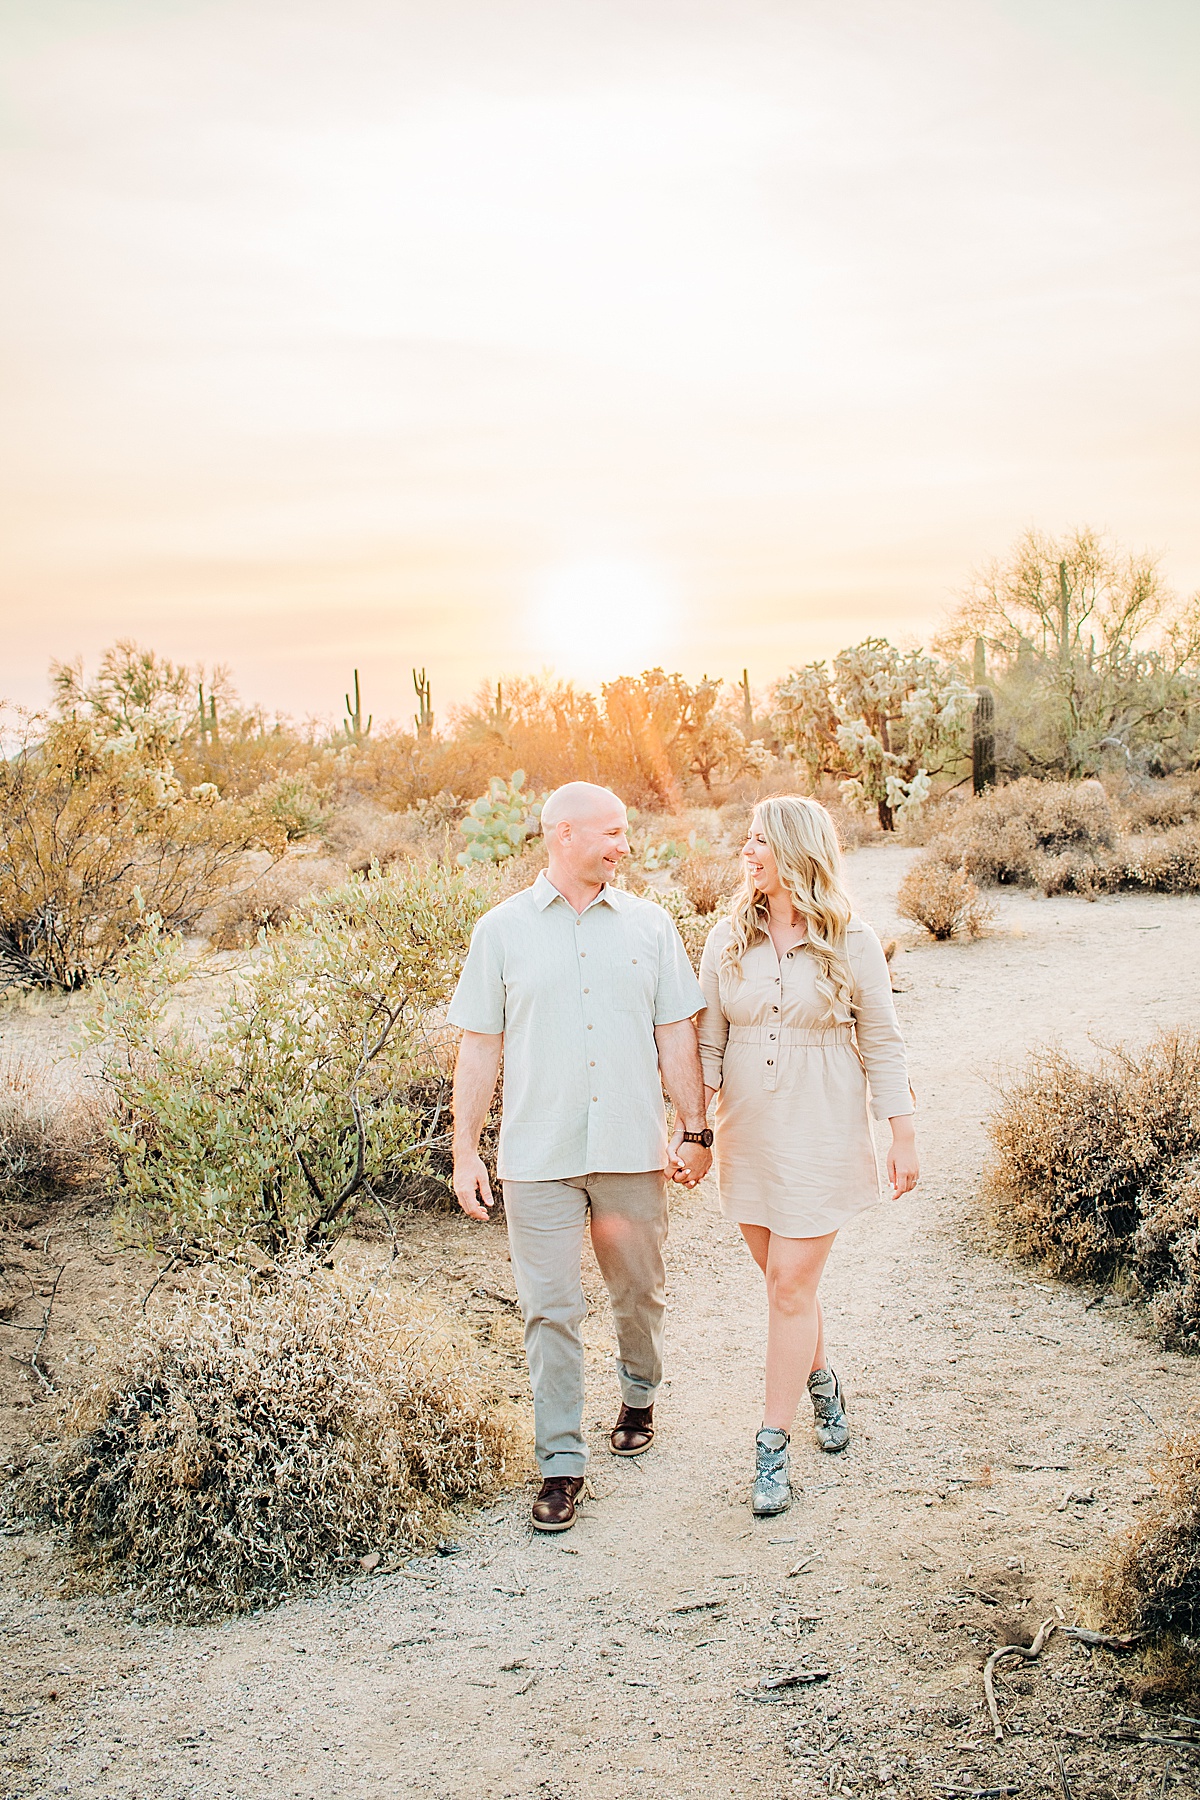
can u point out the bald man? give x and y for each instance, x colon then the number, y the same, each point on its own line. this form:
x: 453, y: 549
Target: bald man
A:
x: 588, y: 993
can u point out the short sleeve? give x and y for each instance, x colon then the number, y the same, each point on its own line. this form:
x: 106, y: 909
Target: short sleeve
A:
x: 478, y: 1002
x: 678, y: 994
x: 712, y: 1023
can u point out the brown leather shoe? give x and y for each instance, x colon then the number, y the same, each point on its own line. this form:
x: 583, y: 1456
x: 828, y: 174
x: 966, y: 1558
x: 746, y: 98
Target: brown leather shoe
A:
x: 554, y: 1508
x: 633, y: 1431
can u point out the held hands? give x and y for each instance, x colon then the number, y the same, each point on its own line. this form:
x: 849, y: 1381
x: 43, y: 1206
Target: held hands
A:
x: 472, y: 1189
x: 902, y: 1165
x: 688, y: 1164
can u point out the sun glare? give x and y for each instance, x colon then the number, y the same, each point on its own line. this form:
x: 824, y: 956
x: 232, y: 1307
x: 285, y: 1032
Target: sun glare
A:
x: 599, y: 618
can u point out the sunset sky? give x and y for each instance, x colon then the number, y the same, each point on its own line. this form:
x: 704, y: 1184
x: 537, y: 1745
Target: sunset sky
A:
x: 489, y: 335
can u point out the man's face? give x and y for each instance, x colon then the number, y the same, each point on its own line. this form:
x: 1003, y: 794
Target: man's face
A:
x: 592, y: 847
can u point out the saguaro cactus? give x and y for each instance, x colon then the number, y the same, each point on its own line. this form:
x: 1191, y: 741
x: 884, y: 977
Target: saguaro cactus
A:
x: 209, y: 732
x: 983, y: 725
x: 747, y: 707
x: 424, y: 713
x: 352, y: 725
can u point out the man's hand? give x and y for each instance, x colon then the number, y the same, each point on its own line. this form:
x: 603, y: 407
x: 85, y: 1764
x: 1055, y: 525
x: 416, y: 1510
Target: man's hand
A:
x: 690, y: 1163
x: 472, y: 1189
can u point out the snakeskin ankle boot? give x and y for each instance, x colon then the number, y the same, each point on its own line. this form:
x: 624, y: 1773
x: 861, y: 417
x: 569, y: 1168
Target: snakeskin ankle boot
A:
x: 829, y: 1417
x: 772, y: 1489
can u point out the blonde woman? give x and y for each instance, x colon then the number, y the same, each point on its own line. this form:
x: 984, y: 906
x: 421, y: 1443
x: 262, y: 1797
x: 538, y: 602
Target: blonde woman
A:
x: 798, y: 1019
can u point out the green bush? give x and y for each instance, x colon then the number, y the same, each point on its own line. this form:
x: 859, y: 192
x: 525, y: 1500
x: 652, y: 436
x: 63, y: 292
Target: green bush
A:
x: 268, y: 1125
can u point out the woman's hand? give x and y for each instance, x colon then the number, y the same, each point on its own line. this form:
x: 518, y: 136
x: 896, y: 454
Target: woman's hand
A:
x: 902, y: 1165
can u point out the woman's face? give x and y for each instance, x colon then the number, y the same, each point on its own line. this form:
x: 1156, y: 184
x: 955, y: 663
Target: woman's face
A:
x: 760, y: 859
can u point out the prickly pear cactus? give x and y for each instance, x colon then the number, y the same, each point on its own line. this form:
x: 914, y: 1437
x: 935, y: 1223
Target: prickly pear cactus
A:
x: 498, y: 823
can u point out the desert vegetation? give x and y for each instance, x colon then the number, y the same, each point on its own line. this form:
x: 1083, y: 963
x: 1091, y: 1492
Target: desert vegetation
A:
x: 1096, y: 1174
x: 260, y: 923
x: 259, y: 1434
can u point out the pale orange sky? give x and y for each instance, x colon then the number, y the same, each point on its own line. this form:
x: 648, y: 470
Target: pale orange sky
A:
x: 494, y: 334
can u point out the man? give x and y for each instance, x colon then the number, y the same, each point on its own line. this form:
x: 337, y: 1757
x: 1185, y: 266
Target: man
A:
x: 589, y: 994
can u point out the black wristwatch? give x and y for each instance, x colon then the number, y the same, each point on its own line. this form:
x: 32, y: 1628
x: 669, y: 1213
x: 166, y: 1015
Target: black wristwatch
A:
x: 704, y: 1137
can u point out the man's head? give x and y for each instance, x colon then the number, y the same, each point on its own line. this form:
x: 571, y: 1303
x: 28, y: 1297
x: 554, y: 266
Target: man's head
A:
x: 584, y: 827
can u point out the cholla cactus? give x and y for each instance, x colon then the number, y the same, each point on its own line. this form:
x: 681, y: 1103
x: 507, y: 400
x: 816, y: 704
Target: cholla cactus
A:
x: 498, y: 823
x: 884, y: 719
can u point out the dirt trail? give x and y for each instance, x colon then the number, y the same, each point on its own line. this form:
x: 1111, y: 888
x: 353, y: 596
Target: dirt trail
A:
x: 624, y: 1657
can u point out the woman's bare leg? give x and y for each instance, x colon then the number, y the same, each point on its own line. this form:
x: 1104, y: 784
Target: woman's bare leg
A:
x: 792, y: 1268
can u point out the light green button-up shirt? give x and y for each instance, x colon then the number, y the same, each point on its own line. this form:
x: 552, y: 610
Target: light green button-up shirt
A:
x: 577, y: 997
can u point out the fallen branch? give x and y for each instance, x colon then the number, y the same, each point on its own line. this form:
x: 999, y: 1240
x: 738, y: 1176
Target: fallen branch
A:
x: 940, y: 1787
x: 1045, y: 1633
x: 1102, y: 1640
x: 33, y: 1360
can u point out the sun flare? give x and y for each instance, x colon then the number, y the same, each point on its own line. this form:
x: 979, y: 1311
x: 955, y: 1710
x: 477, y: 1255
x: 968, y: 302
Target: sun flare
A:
x: 597, y: 618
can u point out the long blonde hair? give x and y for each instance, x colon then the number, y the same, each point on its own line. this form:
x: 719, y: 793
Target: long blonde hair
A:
x: 803, y: 840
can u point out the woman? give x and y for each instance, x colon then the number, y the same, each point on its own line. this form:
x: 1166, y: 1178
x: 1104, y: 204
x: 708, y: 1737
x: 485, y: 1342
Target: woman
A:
x: 798, y: 1018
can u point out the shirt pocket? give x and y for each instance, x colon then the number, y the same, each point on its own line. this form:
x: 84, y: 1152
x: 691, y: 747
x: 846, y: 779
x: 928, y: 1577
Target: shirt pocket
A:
x: 635, y: 979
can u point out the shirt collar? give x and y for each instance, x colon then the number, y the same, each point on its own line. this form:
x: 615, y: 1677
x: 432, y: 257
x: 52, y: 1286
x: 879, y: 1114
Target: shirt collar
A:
x: 545, y: 894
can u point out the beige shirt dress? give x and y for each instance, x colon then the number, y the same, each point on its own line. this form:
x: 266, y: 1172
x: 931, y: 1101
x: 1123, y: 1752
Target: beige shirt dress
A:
x: 794, y: 1146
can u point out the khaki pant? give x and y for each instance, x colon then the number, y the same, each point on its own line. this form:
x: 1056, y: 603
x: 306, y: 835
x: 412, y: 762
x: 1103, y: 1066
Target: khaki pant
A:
x: 545, y: 1235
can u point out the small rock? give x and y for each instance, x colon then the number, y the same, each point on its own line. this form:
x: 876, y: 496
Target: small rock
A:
x: 369, y: 1562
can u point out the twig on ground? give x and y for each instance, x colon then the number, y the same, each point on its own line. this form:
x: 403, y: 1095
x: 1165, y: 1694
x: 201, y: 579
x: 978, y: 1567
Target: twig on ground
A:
x: 165, y: 1270
x: 1045, y: 1633
x: 1062, y: 1773
x: 33, y: 1360
x: 800, y: 1567
x: 502, y: 1299
x: 941, y: 1787
x: 1142, y: 1409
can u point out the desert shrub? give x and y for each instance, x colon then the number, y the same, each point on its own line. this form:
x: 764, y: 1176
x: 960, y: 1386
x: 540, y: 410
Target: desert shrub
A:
x: 51, y: 1139
x: 1155, y: 805
x: 295, y: 803
x: 266, y: 1435
x: 693, y: 927
x: 1006, y: 836
x: 1076, y: 1148
x: 268, y: 898
x: 95, y: 834
x: 1169, y: 864
x: 1166, y: 1255
x: 1149, y: 1581
x: 267, y: 1124
x: 364, y: 833
x: 708, y: 881
x: 942, y: 899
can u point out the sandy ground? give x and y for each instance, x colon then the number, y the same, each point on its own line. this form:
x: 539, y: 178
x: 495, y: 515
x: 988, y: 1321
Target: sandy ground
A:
x: 625, y: 1657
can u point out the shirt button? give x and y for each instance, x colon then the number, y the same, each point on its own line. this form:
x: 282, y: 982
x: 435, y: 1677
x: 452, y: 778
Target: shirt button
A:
x: 772, y: 1037
x: 587, y: 990
x: 595, y: 1097
x: 773, y: 1009
x: 583, y: 953
x: 591, y: 1065
x: 770, y: 1062
x: 635, y: 959
x: 589, y: 1028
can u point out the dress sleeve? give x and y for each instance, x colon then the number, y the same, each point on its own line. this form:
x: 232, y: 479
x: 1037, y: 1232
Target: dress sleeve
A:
x: 712, y: 1023
x: 876, y: 1026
